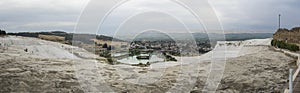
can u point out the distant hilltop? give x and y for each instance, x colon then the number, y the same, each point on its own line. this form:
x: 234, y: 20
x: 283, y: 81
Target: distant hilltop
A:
x: 289, y: 36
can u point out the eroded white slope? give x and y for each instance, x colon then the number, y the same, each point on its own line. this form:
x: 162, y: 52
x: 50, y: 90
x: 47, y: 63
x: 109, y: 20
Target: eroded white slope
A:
x: 36, y: 47
x: 96, y: 76
x: 240, y: 48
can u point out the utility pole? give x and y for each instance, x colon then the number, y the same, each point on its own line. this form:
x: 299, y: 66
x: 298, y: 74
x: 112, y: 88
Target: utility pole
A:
x: 279, y: 21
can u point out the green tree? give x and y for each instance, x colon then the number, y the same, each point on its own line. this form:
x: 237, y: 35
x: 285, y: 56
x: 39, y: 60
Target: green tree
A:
x: 104, y: 45
x: 284, y: 45
x: 2, y: 32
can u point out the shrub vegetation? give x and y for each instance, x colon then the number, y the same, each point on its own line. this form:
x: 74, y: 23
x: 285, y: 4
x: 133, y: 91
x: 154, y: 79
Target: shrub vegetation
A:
x: 284, y: 45
x: 2, y: 32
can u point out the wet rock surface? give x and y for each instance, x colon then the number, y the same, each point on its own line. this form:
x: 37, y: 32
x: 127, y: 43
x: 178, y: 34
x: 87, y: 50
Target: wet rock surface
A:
x: 48, y: 67
x: 32, y: 76
x: 265, y: 71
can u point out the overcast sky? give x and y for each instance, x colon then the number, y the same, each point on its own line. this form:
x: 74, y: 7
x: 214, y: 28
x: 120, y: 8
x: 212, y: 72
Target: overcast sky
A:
x: 234, y: 15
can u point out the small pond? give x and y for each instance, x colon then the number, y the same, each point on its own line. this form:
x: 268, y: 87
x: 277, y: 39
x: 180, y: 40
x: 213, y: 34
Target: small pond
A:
x: 134, y: 60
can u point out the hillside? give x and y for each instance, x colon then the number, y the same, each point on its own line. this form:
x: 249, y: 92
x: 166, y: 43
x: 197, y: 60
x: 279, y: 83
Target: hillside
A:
x: 290, y: 36
x: 68, y: 37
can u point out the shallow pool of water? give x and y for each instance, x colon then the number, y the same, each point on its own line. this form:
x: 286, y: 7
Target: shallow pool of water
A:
x: 134, y: 60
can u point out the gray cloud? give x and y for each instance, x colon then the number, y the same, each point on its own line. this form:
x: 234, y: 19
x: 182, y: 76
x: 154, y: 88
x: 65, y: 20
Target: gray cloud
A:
x: 257, y: 15
x: 235, y: 15
x: 39, y: 15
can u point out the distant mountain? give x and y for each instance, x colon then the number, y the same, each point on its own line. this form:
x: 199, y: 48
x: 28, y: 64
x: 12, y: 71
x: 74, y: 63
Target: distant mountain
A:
x: 196, y: 36
x: 152, y: 36
x: 58, y: 32
x: 245, y: 36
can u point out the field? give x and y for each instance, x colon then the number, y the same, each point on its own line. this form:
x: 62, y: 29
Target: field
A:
x: 52, y: 38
